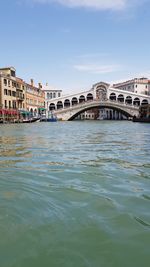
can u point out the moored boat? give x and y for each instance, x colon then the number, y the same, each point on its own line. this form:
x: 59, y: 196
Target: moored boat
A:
x: 51, y: 118
x: 30, y: 120
x: 144, y: 114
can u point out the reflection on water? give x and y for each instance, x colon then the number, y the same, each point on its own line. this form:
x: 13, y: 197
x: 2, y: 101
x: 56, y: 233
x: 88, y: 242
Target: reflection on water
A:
x: 75, y: 194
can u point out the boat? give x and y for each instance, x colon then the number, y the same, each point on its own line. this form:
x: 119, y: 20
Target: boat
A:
x: 51, y: 118
x: 30, y: 120
x: 144, y: 114
x: 141, y: 119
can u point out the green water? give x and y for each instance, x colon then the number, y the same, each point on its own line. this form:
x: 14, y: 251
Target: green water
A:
x: 75, y: 194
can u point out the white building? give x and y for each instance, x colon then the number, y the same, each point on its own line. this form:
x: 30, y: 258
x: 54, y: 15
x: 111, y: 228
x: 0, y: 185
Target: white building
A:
x: 51, y: 92
x: 136, y: 85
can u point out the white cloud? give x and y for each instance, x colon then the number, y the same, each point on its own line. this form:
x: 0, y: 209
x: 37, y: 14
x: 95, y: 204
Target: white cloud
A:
x: 95, y: 4
x: 97, y: 69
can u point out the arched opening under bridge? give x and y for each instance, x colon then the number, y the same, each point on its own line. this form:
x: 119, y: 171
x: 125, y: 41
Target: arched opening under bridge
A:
x: 125, y: 113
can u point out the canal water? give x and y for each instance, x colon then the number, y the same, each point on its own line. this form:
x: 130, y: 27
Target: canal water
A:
x: 75, y: 194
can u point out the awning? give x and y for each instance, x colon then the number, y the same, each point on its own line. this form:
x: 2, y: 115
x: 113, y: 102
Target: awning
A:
x: 42, y: 109
x: 8, y: 112
x: 24, y: 112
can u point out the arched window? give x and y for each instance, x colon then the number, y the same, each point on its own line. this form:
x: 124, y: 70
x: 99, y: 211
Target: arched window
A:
x: 74, y: 101
x: 59, y: 105
x: 128, y: 100
x: 67, y: 103
x: 31, y: 111
x: 89, y: 97
x: 136, y: 101
x: 112, y: 96
x: 144, y: 102
x: 120, y: 98
x: 81, y: 99
x: 52, y: 106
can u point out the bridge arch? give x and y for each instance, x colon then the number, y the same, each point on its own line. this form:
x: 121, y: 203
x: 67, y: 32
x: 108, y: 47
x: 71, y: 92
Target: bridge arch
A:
x: 144, y: 102
x: 128, y: 99
x: 81, y: 99
x: 113, y: 96
x: 59, y: 105
x: 74, y: 101
x: 66, y: 103
x: 136, y: 101
x: 52, y: 106
x: 119, y: 109
x: 89, y: 97
x: 120, y: 98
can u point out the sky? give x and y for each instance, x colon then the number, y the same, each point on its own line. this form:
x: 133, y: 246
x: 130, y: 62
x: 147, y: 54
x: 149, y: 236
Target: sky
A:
x: 73, y: 44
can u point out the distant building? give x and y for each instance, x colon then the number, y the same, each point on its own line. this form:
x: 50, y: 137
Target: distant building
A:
x: 136, y: 85
x: 110, y: 114
x: 87, y: 115
x: 35, y: 99
x: 50, y: 92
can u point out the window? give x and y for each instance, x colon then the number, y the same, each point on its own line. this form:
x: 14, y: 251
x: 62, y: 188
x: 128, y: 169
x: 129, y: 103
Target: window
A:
x: 5, y: 103
x: 13, y: 93
x: 9, y: 104
x: 58, y: 94
x: 14, y: 104
x: 9, y: 92
x: 5, y: 91
x: 5, y: 82
x: 54, y: 95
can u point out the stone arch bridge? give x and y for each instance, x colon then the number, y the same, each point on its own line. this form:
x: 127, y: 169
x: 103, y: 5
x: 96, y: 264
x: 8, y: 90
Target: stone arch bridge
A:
x: 102, y: 96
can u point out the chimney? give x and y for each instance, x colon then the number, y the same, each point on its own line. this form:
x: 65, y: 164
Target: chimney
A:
x: 32, y: 82
x: 40, y: 85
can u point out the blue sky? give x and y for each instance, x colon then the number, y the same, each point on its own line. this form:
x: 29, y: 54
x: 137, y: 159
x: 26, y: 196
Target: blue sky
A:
x: 72, y: 44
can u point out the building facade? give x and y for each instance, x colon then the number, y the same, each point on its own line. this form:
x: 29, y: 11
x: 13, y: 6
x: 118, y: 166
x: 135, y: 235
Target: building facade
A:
x: 35, y: 99
x: 8, y: 94
x: 136, y: 85
x: 19, y: 98
x: 20, y: 94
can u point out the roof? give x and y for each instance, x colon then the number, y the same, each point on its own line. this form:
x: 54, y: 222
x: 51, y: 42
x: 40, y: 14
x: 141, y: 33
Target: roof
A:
x: 8, y: 68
